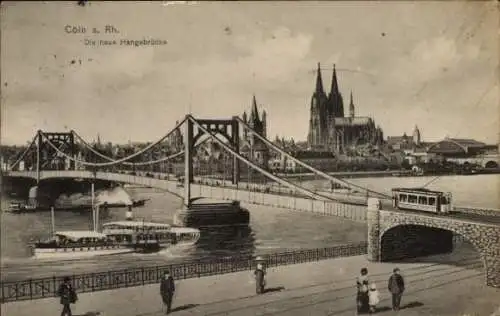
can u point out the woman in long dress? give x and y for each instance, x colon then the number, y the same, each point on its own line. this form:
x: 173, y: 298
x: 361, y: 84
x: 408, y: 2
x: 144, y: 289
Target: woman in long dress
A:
x: 362, y: 299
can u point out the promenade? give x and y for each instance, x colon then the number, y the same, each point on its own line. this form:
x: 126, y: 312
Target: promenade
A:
x: 318, y: 288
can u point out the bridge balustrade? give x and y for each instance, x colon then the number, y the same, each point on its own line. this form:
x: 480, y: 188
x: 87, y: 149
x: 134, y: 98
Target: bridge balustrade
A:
x: 91, y: 282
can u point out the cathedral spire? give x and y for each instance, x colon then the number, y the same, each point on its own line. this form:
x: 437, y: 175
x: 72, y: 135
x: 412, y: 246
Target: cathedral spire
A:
x: 335, y: 85
x: 319, y: 80
x: 254, y: 114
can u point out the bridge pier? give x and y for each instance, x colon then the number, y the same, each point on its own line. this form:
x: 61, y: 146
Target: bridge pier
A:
x: 492, y: 263
x: 373, y: 221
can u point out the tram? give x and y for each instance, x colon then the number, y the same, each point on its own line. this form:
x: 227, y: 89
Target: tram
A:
x: 420, y: 199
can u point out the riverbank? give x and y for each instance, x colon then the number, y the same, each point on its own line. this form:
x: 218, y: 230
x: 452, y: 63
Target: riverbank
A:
x: 435, y: 286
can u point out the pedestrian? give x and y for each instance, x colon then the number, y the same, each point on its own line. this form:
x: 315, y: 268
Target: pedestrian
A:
x: 396, y: 286
x: 68, y: 296
x: 260, y: 281
x: 362, y: 295
x: 373, y: 298
x: 167, y: 290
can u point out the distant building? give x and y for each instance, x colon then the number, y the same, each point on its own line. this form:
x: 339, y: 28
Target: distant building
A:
x: 455, y: 147
x: 324, y: 161
x: 251, y: 146
x: 406, y: 142
x: 330, y: 129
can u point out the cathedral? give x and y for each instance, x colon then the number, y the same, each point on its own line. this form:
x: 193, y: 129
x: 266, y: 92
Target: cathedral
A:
x: 330, y: 129
x: 251, y: 146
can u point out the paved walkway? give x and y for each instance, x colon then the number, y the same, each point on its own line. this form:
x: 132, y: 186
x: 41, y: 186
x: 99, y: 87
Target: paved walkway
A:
x: 321, y: 288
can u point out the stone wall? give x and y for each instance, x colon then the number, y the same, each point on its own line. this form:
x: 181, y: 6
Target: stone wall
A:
x: 483, y: 236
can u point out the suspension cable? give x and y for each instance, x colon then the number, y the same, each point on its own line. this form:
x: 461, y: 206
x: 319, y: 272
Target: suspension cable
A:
x: 89, y: 147
x: 25, y: 151
x: 120, y: 160
x: 325, y: 175
x: 112, y: 162
x: 105, y: 163
x: 247, y: 162
x: 151, y: 162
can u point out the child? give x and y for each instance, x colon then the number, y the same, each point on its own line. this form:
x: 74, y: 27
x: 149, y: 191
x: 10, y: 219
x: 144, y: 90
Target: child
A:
x: 373, y: 297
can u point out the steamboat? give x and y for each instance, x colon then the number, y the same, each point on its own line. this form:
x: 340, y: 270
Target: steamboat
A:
x: 78, y: 244
x: 166, y: 234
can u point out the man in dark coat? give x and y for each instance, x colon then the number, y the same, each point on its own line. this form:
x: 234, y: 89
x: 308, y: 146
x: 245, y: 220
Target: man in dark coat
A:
x: 167, y: 290
x: 259, y: 278
x: 396, y: 287
x: 67, y: 295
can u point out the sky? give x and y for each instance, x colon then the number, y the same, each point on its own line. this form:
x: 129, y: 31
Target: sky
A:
x: 430, y: 64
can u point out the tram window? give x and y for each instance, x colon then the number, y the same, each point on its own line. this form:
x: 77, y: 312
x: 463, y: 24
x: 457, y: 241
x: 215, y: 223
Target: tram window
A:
x: 402, y: 197
x: 422, y: 200
x: 432, y: 201
x: 444, y: 200
x: 412, y: 199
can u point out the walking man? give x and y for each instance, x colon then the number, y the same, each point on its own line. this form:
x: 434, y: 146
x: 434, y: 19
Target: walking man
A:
x: 167, y: 290
x: 68, y: 296
x: 396, y: 287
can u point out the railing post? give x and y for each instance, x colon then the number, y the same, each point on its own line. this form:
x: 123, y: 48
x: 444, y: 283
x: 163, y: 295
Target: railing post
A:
x: 31, y: 289
x: 54, y: 285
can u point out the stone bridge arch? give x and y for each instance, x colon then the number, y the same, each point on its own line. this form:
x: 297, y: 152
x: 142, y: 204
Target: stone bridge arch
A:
x: 402, y: 241
x: 484, y: 237
x: 491, y: 164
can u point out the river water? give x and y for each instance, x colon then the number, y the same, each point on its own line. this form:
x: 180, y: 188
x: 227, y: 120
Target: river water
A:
x: 270, y: 229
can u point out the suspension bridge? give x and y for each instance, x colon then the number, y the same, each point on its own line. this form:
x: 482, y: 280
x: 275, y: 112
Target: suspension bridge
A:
x: 244, y: 177
x: 46, y: 155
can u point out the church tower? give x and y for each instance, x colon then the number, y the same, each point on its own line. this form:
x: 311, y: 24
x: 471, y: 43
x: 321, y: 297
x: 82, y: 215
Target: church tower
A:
x: 254, y: 121
x: 416, y: 136
x: 317, y: 122
x: 351, y: 108
x: 335, y: 100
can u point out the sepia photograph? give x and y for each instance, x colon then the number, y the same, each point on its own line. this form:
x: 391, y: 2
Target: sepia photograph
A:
x: 250, y: 158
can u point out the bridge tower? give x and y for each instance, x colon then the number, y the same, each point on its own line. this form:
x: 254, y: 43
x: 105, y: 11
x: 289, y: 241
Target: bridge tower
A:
x: 229, y: 129
x: 47, y: 158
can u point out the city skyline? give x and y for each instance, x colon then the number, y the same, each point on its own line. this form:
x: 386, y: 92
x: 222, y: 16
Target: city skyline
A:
x: 435, y: 63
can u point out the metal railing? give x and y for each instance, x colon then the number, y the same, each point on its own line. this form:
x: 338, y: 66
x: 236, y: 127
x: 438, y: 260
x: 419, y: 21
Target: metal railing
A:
x: 47, y: 287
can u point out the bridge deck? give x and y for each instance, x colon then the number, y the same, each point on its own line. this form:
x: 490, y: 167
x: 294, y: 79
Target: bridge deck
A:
x: 460, y: 215
x: 171, y: 185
